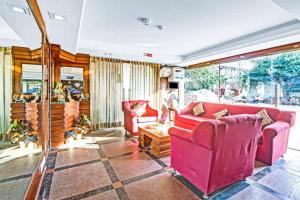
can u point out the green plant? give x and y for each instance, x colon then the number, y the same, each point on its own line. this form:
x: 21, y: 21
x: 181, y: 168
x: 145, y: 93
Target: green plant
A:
x: 82, y: 123
x: 31, y: 138
x: 58, y: 94
x: 19, y: 130
x: 69, y: 134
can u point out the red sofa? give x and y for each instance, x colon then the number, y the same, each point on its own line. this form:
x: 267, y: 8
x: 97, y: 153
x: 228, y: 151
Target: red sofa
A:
x: 275, y: 136
x: 132, y: 120
x: 216, y: 153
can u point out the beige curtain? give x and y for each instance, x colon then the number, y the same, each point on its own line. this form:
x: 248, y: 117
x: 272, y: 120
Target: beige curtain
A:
x: 144, y: 82
x: 106, y: 92
x: 112, y: 81
x: 6, y: 68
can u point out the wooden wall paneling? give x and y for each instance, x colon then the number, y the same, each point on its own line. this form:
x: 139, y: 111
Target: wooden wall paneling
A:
x: 22, y: 55
x: 254, y: 54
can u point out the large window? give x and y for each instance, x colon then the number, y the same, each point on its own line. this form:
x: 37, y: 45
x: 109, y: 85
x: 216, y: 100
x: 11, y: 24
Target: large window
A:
x: 31, y: 79
x: 270, y: 80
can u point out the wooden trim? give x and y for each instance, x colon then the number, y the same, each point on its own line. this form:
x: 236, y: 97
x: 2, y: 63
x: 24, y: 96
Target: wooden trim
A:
x: 36, y: 179
x: 35, y: 9
x: 254, y: 54
x: 20, y: 56
x: 61, y: 58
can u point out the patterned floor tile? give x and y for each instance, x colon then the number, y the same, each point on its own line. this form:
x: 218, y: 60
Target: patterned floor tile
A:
x: 109, y: 195
x: 166, y: 160
x: 76, y: 180
x: 282, y: 182
x: 253, y: 193
x: 119, y: 148
x: 133, y: 165
x: 14, y: 189
x: 161, y: 186
x: 19, y: 166
x: 75, y: 156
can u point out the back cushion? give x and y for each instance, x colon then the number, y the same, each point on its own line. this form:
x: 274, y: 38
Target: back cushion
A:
x: 234, y: 109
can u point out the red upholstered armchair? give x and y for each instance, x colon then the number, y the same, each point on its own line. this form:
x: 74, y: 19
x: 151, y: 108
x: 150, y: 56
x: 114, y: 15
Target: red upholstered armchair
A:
x: 216, y: 153
x: 132, y: 120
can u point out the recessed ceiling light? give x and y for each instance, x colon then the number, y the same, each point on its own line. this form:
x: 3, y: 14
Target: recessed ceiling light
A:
x: 159, y: 27
x: 18, y: 9
x: 144, y: 20
x: 107, y: 54
x: 57, y: 17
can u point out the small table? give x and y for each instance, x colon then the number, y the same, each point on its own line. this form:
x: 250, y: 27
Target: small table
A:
x: 157, y: 136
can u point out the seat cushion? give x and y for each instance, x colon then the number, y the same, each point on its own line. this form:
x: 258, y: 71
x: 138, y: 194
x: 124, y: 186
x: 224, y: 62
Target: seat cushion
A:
x: 190, y: 119
x: 146, y: 119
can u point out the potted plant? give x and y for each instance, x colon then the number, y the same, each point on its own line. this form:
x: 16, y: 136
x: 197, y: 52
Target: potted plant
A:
x: 18, y: 131
x: 31, y: 141
x: 70, y: 136
x: 58, y: 94
x: 82, y: 125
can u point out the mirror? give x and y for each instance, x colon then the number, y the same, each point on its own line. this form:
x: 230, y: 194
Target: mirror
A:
x: 72, y: 79
x: 21, y: 88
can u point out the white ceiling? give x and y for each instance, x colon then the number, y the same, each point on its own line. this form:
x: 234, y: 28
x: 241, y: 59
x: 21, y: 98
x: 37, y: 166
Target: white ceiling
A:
x: 194, y: 30
x: 18, y: 29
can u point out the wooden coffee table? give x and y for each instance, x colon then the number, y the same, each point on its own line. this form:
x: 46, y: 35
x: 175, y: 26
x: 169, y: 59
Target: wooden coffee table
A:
x: 157, y: 136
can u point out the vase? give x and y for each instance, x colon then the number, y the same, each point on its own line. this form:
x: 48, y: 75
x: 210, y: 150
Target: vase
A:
x: 78, y: 136
x: 32, y: 145
x: 22, y: 144
x: 70, y: 140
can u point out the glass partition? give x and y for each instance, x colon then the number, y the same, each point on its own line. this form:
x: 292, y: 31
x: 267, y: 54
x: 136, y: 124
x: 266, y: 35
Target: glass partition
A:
x: 21, y: 145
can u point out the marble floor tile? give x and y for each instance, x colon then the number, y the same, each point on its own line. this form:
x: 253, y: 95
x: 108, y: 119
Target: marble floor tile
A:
x: 259, y: 166
x: 76, y: 180
x: 166, y: 160
x: 75, y: 156
x: 119, y: 148
x: 19, y: 166
x: 109, y: 195
x: 14, y: 190
x: 133, y: 165
x: 283, y: 182
x: 161, y: 186
x: 253, y: 193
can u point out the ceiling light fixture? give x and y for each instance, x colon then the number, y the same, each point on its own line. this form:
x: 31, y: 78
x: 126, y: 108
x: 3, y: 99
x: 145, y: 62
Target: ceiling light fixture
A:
x: 107, y: 54
x: 18, y: 9
x: 145, y: 21
x: 57, y: 17
x: 159, y: 27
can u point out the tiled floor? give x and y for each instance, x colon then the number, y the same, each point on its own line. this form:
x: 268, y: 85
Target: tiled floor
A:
x: 116, y: 168
x: 15, y: 175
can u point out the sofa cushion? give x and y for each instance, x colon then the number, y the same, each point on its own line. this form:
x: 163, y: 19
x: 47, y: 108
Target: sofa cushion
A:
x: 146, y: 119
x: 190, y: 119
x: 198, y: 109
x: 221, y: 113
x: 139, y: 108
x: 266, y: 119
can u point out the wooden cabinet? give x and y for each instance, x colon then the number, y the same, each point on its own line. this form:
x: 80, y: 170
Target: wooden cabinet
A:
x: 62, y: 120
x: 84, y: 108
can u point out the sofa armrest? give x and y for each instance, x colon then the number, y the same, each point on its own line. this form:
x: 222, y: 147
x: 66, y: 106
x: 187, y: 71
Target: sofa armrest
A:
x: 182, y: 133
x: 287, y: 116
x: 131, y: 113
x: 151, y: 111
x: 274, y: 129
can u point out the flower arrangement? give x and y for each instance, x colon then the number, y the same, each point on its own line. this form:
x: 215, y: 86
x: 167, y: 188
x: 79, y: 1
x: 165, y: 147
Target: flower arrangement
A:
x: 58, y: 94
x: 19, y: 131
x: 82, y: 124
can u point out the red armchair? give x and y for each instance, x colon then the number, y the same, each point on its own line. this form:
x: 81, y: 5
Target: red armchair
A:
x: 216, y: 153
x: 132, y: 120
x: 274, y: 136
